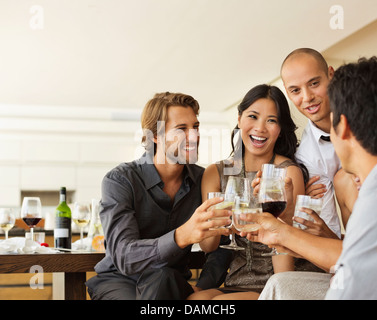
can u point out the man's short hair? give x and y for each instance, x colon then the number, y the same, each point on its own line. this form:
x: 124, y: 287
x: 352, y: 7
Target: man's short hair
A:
x: 353, y: 93
x: 156, y: 110
x: 314, y: 53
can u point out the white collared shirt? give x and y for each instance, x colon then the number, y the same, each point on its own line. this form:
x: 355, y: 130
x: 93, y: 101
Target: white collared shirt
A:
x: 320, y: 159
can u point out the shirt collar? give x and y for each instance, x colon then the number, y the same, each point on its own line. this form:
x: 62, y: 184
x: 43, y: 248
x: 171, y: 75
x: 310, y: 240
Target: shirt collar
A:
x: 317, y: 133
x: 151, y: 177
x: 370, y: 182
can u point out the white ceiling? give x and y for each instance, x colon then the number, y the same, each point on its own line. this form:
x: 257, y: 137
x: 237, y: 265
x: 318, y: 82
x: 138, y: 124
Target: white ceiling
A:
x: 118, y: 53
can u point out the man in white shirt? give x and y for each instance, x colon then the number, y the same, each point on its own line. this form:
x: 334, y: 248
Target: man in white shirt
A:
x: 306, y: 76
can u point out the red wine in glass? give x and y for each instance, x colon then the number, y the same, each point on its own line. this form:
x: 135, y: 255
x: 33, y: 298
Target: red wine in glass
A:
x: 31, y: 212
x: 272, y: 193
x: 31, y: 222
x: 274, y: 207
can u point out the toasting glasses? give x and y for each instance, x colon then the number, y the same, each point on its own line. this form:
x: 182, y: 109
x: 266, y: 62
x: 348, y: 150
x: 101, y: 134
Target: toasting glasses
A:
x: 240, y: 188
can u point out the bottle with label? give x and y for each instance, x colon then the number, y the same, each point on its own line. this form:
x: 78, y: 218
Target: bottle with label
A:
x: 62, y: 231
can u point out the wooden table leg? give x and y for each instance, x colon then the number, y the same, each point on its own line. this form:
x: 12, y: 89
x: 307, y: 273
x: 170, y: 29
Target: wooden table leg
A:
x: 74, y: 285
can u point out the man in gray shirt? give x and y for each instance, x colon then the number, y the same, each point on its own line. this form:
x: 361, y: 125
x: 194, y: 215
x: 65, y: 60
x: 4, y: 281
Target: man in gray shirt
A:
x: 353, y: 96
x: 152, y: 212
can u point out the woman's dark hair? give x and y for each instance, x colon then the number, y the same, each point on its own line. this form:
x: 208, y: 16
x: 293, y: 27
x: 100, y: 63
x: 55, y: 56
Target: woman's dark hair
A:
x: 287, y: 142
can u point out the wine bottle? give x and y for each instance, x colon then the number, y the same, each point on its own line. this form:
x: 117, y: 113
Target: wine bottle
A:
x: 62, y: 231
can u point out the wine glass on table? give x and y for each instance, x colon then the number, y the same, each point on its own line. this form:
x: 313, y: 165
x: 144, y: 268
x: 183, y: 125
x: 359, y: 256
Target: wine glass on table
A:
x: 31, y: 213
x: 241, y: 189
x: 272, y: 193
x: 7, y: 220
x: 81, y: 217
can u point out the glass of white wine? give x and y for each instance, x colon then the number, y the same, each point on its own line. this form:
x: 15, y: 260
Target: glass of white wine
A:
x: 7, y: 220
x: 81, y: 217
x: 241, y: 215
x: 227, y: 204
x: 241, y: 189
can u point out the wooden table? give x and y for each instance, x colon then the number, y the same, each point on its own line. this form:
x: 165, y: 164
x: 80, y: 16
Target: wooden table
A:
x: 73, y: 265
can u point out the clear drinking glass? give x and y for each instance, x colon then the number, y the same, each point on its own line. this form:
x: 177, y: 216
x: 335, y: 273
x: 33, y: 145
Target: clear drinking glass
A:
x: 7, y: 220
x: 241, y: 189
x: 81, y: 217
x: 303, y: 201
x: 227, y: 204
x: 240, y: 215
x: 31, y: 212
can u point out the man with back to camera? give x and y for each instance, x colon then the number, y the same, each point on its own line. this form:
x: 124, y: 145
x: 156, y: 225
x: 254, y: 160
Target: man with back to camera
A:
x: 151, y: 211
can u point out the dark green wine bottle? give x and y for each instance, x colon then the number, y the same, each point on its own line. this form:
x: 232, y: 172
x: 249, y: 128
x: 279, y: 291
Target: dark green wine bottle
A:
x: 62, y: 231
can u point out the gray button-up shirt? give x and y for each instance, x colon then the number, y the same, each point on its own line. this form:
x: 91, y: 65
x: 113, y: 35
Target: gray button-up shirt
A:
x: 139, y: 219
x: 356, y: 274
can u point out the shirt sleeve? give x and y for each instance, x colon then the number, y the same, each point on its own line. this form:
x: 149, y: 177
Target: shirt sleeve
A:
x: 129, y: 253
x: 356, y: 276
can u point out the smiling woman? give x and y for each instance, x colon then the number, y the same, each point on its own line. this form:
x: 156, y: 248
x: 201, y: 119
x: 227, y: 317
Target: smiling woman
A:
x: 267, y: 136
x: 259, y: 125
x: 270, y: 101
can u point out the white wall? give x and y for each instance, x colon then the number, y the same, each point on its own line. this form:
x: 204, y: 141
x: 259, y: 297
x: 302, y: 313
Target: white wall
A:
x: 44, y: 148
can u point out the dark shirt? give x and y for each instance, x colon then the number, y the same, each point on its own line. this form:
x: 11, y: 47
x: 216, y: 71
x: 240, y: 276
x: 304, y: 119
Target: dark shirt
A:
x: 139, y: 219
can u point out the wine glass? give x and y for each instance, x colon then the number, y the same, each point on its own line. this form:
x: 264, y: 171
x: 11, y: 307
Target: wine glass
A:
x: 31, y: 213
x: 272, y: 193
x: 227, y: 204
x: 241, y: 215
x: 7, y: 220
x: 303, y: 201
x: 81, y: 217
x: 241, y: 189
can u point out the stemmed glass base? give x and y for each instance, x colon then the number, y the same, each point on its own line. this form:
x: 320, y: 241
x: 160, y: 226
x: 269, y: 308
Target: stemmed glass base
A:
x: 233, y: 245
x: 81, y: 246
x: 273, y: 252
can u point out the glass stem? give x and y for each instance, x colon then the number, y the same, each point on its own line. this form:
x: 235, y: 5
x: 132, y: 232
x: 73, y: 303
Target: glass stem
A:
x: 232, y: 238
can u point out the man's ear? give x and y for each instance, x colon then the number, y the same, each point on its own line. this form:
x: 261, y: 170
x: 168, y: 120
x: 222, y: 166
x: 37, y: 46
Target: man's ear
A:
x: 343, y: 130
x: 330, y: 72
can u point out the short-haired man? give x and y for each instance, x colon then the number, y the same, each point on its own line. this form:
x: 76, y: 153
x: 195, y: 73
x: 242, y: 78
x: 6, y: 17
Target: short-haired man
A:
x: 306, y: 75
x: 152, y: 212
